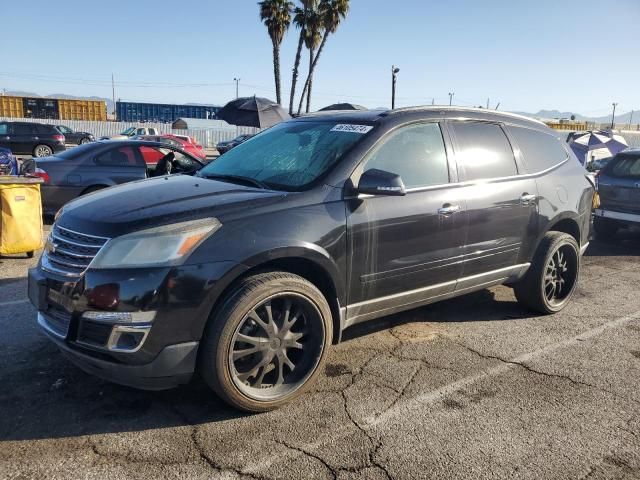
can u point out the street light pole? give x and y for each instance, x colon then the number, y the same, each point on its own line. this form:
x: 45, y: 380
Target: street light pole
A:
x: 451, y: 94
x: 394, y: 77
x: 237, y: 80
x: 613, y: 115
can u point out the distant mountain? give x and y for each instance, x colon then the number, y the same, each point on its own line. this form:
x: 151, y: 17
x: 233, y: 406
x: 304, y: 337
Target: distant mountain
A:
x: 553, y: 114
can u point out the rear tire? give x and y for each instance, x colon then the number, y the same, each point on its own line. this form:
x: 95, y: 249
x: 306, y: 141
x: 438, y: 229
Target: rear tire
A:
x: 552, y: 277
x: 266, y: 344
x: 605, y: 228
x: 42, y: 151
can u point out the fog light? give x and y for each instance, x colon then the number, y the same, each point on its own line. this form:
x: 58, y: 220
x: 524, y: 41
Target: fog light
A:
x: 120, y: 317
x: 127, y: 339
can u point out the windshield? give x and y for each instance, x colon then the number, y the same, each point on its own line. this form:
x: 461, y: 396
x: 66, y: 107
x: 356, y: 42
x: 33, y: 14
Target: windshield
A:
x: 290, y: 156
x: 129, y: 131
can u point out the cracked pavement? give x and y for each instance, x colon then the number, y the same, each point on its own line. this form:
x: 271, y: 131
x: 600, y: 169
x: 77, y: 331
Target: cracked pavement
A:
x: 474, y: 387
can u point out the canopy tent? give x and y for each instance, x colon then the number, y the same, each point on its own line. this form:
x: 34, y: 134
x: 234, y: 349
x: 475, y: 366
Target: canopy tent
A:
x: 595, y: 145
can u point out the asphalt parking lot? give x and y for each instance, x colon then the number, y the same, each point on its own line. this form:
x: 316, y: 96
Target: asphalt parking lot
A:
x: 474, y: 387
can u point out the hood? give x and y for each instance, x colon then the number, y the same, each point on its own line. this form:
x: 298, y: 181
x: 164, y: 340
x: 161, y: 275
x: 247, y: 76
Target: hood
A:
x: 159, y: 201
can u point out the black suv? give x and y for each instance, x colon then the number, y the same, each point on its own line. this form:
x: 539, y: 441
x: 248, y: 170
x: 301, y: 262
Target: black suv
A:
x: 249, y: 270
x: 26, y: 138
x: 619, y: 194
x: 75, y: 138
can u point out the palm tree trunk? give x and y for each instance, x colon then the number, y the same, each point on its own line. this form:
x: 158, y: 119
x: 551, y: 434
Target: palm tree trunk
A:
x: 296, y: 65
x: 311, y: 70
x: 310, y: 83
x: 306, y: 83
x: 276, y: 70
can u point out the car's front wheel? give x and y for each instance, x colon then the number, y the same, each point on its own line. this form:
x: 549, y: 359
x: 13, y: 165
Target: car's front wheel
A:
x: 552, y: 277
x: 85, y: 140
x: 266, y: 344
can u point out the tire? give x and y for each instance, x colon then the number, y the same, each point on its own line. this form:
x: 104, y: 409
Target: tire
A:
x: 263, y: 379
x: 84, y: 140
x: 605, y: 229
x: 546, y: 287
x: 42, y: 150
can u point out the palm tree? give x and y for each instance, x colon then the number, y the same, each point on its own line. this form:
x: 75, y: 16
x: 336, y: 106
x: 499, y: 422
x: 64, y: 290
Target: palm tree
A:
x: 331, y: 13
x: 300, y: 16
x: 312, y: 40
x: 276, y: 15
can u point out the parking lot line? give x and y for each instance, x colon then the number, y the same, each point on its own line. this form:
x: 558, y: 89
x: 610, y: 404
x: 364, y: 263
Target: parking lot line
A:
x: 13, y: 302
x: 404, y: 409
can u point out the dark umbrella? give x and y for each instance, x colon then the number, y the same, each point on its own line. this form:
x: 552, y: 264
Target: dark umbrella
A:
x: 343, y: 106
x: 253, y: 112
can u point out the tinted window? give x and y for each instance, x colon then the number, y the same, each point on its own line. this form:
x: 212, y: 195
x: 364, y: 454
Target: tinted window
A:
x: 45, y: 129
x: 64, y: 129
x: 3, y: 129
x: 484, y: 151
x: 416, y: 153
x: 540, y: 150
x: 122, y: 156
x: 624, y: 166
x: 22, y: 129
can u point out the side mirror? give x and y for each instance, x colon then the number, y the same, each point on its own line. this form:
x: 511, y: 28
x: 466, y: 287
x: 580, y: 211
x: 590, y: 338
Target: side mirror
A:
x: 380, y: 182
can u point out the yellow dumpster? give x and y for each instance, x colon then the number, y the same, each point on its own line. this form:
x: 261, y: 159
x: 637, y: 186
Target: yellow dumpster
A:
x: 21, y: 220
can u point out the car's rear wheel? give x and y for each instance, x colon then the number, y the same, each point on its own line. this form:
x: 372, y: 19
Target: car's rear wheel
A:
x: 42, y: 151
x: 552, y: 277
x: 266, y: 344
x: 605, y: 228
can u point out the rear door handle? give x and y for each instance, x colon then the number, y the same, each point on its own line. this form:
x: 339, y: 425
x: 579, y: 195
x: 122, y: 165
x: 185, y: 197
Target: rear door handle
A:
x: 448, y: 209
x: 528, y: 199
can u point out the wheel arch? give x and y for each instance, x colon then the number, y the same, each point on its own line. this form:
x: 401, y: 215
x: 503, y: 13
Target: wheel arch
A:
x: 306, y: 263
x: 568, y: 222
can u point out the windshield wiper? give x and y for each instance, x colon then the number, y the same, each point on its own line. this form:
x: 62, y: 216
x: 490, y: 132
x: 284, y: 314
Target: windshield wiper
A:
x: 237, y: 179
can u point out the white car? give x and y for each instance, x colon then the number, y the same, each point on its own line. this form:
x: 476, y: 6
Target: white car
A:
x: 132, y: 132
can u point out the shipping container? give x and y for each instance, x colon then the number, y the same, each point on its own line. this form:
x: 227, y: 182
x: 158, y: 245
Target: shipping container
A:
x: 52, y: 108
x: 94, y: 110
x: 11, y: 107
x: 162, y: 112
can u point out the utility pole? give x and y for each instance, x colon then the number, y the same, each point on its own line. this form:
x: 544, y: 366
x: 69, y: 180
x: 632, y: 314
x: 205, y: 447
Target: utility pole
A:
x: 487, y: 103
x: 433, y: 101
x: 630, y: 119
x: 113, y: 95
x: 394, y: 77
x: 613, y: 115
x: 237, y: 80
x: 451, y: 94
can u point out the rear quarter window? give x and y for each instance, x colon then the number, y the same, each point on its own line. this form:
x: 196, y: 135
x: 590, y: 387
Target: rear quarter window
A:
x: 540, y: 150
x: 624, y: 166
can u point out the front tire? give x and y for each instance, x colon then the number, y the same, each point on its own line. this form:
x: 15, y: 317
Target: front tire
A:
x: 267, y: 342
x: 84, y: 141
x: 42, y: 151
x: 552, y: 277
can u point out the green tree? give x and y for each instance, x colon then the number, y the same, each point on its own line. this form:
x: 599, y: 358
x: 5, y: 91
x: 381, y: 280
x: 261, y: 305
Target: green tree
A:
x: 276, y: 15
x: 330, y: 14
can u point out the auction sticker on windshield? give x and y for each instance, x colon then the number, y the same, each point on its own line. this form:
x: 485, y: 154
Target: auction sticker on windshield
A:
x: 352, y: 128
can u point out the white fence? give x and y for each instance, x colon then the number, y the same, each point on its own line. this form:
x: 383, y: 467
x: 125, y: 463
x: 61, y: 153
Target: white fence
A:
x: 207, y: 138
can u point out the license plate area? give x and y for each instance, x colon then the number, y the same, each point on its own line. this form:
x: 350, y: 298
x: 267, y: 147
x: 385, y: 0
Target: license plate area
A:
x: 58, y: 299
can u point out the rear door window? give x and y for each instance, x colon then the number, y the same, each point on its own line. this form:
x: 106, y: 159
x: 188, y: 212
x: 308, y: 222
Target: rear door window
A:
x: 23, y: 129
x: 540, y: 150
x: 483, y: 150
x: 3, y: 129
x: 624, y: 166
x: 416, y: 153
x: 122, y: 157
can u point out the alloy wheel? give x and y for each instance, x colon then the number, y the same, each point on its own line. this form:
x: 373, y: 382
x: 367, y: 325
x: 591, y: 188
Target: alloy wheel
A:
x: 560, y: 275
x: 42, y: 151
x: 277, y: 346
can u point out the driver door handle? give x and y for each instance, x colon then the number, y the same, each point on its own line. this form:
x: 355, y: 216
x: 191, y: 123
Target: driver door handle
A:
x: 448, y: 209
x: 528, y: 199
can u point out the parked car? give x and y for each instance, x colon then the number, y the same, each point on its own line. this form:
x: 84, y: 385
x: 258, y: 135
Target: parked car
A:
x: 176, y: 142
x: 224, y: 147
x: 189, y: 144
x: 247, y: 272
x: 27, y: 138
x: 131, y: 132
x: 98, y: 165
x: 73, y: 137
x: 619, y: 194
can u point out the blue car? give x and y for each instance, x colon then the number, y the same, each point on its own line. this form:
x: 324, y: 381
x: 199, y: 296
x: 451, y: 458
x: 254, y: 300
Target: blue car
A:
x: 8, y: 162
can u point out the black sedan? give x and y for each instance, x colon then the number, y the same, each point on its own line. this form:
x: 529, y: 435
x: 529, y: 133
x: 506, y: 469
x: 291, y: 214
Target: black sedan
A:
x: 74, y: 138
x: 97, y: 165
x: 224, y: 147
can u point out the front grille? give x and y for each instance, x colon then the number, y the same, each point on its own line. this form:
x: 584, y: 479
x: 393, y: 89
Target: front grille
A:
x: 57, y: 321
x: 94, y: 333
x: 69, y: 253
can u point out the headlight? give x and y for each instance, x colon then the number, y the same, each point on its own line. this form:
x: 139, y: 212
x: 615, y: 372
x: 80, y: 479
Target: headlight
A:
x: 162, y: 246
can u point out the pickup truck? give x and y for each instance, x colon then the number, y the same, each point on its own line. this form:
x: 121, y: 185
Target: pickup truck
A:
x: 131, y: 132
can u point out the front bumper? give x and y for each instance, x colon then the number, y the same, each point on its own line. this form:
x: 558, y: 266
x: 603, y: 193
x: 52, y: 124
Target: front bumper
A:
x: 179, y: 300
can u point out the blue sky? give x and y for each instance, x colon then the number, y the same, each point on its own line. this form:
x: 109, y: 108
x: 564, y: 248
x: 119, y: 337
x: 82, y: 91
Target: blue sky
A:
x: 528, y: 55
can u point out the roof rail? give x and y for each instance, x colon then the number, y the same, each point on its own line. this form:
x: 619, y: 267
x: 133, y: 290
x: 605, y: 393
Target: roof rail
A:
x: 461, y: 109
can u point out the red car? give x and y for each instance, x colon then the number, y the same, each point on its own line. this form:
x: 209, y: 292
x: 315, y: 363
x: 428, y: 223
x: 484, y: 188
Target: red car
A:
x: 189, y: 145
